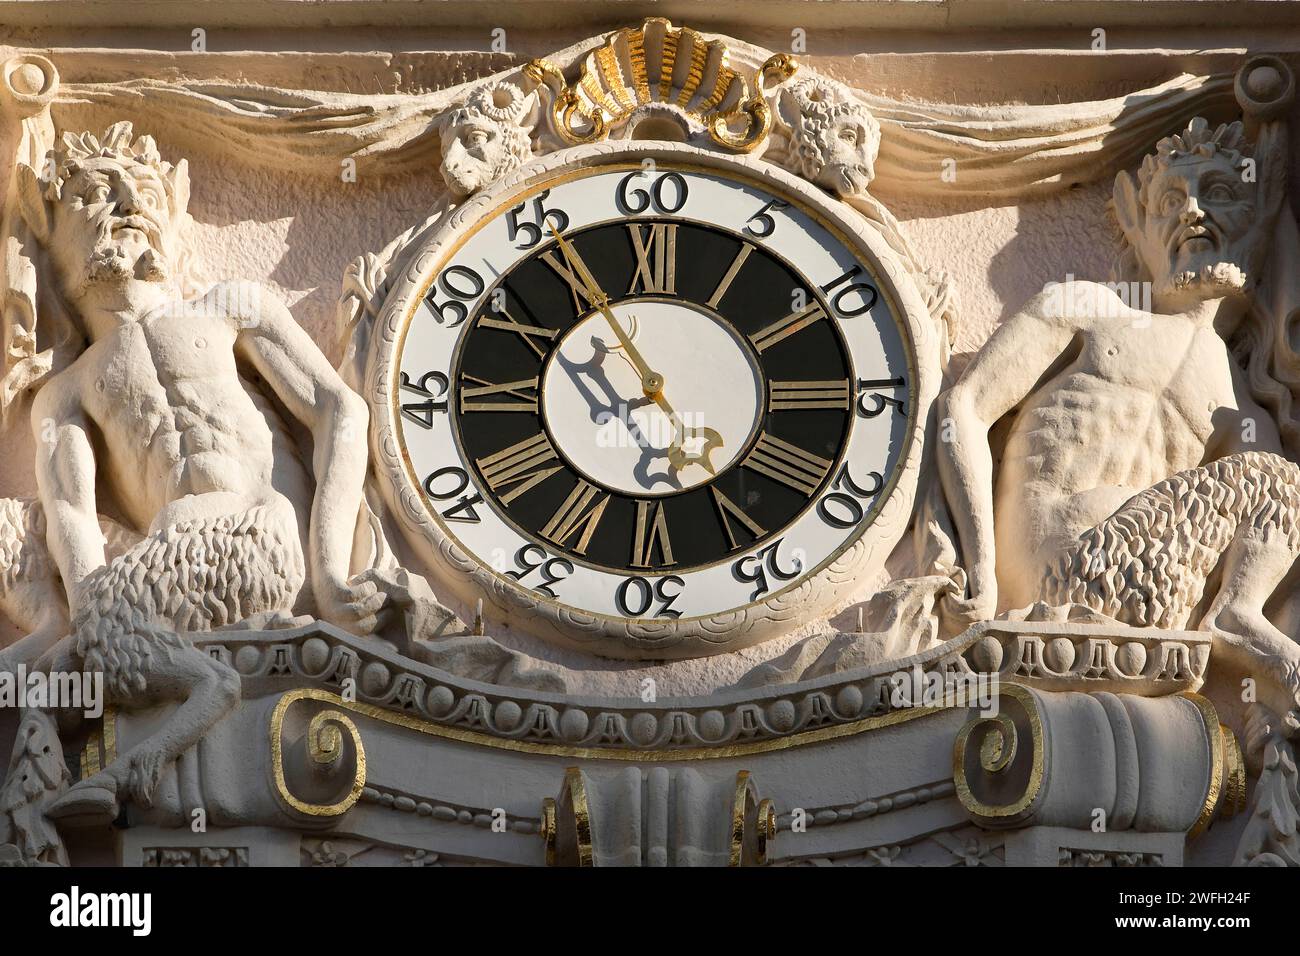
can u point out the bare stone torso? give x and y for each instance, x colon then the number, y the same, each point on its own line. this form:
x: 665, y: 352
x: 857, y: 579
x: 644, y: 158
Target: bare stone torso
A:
x: 177, y: 421
x: 1141, y: 401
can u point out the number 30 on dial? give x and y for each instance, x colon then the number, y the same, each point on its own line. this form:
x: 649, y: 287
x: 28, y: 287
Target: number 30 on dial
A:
x: 652, y: 398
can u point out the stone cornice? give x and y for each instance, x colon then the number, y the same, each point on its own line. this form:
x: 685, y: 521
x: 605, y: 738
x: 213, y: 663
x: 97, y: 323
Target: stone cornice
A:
x: 899, y: 15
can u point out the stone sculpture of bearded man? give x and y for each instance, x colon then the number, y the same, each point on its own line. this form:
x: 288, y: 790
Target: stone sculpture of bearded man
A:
x: 156, y: 422
x: 1141, y: 480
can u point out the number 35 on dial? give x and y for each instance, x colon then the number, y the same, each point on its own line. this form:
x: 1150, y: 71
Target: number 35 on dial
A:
x: 653, y: 395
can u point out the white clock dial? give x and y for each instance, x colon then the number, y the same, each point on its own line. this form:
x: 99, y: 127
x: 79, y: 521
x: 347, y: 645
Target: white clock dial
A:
x: 650, y: 398
x: 616, y: 436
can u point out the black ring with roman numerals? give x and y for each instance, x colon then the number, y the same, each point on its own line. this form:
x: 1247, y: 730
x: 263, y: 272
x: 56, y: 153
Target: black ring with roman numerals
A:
x: 781, y: 317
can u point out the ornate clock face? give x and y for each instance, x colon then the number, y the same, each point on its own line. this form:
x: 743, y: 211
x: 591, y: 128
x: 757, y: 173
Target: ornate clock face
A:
x: 652, y: 396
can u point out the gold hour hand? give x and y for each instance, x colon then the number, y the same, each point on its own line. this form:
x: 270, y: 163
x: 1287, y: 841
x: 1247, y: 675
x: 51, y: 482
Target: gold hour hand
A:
x: 678, y: 456
x: 652, y: 383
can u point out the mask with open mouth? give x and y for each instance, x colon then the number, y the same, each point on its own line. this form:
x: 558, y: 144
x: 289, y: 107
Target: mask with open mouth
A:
x: 1192, y: 218
x: 113, y: 209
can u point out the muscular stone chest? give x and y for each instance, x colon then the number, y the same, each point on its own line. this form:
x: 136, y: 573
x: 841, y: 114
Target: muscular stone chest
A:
x: 167, y: 391
x: 1181, y: 381
x: 189, y: 344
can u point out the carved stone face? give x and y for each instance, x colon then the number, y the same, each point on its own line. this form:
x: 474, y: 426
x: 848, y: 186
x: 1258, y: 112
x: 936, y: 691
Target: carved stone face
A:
x: 846, y: 153
x: 833, y: 138
x: 113, y: 220
x: 478, y: 150
x: 1199, y: 232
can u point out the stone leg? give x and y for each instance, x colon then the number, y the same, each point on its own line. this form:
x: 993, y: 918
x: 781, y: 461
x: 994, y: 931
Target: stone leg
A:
x: 1254, y: 565
x: 192, y: 576
x: 205, y: 688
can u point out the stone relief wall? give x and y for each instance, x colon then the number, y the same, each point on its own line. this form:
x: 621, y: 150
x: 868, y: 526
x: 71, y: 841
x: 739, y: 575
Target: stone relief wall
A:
x: 1027, y: 201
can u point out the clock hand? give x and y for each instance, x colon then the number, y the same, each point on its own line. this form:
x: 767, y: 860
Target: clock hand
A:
x: 652, y: 382
x: 678, y: 456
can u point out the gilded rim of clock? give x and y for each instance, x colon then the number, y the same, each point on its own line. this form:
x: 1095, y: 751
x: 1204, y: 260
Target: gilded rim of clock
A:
x: 604, y: 163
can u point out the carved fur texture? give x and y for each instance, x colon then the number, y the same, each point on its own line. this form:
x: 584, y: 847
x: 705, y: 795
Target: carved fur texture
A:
x: 30, y: 589
x: 24, y: 560
x: 1148, y: 563
x: 194, y: 576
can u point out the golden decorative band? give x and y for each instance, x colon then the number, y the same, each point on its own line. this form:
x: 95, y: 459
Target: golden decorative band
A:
x: 1214, y: 736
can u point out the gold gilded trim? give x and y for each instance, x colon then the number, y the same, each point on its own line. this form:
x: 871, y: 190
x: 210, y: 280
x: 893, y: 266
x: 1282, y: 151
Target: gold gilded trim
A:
x: 577, y: 788
x: 739, y: 804
x: 754, y: 111
x: 324, y: 746
x: 1234, y: 775
x: 998, y: 749
x: 110, y: 735
x: 1210, y: 717
x: 550, y: 835
x: 480, y: 739
x: 90, y: 756
x: 604, y: 95
x: 100, y: 742
x: 766, y: 828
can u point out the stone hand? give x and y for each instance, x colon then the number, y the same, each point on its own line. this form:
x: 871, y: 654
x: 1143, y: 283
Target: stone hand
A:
x: 359, y: 605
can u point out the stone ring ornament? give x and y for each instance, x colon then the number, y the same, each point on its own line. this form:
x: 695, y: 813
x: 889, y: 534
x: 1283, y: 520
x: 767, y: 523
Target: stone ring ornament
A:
x: 1264, y: 88
x: 530, y: 467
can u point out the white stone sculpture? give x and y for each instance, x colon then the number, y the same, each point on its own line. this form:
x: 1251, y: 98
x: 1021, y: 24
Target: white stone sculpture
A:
x: 231, y: 529
x: 1141, y: 459
x: 368, y: 751
x: 487, y: 137
x: 832, y: 137
x: 228, y: 523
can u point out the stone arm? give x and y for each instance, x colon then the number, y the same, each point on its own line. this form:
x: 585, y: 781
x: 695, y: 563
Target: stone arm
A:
x: 1248, y: 427
x: 65, y: 481
x: 1001, y: 375
x: 314, y: 393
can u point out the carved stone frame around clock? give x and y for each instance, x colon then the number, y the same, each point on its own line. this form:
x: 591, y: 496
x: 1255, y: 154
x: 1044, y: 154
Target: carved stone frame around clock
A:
x: 828, y: 588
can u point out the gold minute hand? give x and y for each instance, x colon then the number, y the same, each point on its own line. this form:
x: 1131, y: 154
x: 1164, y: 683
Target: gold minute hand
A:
x: 652, y: 383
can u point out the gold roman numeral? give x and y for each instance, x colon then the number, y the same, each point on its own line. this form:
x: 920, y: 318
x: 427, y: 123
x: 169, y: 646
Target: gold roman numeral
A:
x: 583, y: 298
x: 784, y: 328
x: 789, y: 464
x: 579, y: 513
x: 525, y: 331
x: 656, y: 259
x: 730, y: 276
x: 651, y: 531
x: 726, y: 507
x: 523, y: 465
x: 525, y: 391
x: 806, y: 395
